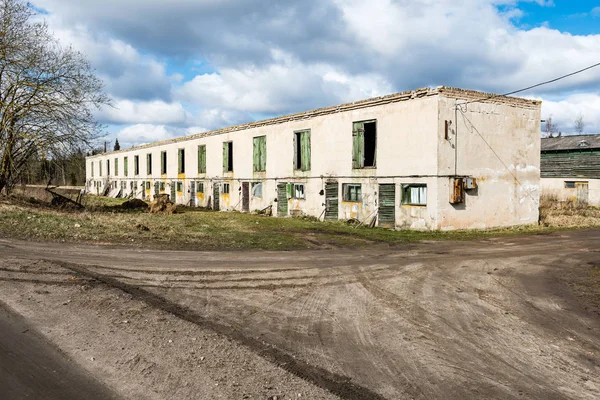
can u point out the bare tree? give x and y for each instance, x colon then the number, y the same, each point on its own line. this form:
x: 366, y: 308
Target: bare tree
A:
x: 579, y: 124
x: 47, y: 93
x: 550, y: 128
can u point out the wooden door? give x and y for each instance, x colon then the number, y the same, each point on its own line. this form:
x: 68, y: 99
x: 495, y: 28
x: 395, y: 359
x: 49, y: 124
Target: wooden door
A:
x: 332, y: 201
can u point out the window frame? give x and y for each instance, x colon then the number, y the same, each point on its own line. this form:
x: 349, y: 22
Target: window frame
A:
x: 253, y: 185
x: 125, y: 166
x: 346, y: 192
x: 136, y: 165
x: 226, y: 185
x: 259, y: 153
x: 302, y: 158
x: 201, y: 158
x: 148, y: 163
x: 228, y: 156
x: 199, y: 187
x: 179, y: 186
x: 181, y: 161
x: 163, y: 162
x: 358, y: 144
x: 294, y: 191
x: 406, y: 186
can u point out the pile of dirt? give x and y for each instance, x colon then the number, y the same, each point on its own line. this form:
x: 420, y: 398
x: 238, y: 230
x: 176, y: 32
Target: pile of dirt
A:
x: 134, y: 204
x: 162, y: 204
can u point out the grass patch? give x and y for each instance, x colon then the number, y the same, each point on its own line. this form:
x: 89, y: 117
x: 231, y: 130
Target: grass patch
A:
x: 104, y: 221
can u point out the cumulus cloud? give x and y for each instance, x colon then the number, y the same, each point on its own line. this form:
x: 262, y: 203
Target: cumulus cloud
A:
x: 564, y: 112
x: 156, y: 112
x: 143, y: 133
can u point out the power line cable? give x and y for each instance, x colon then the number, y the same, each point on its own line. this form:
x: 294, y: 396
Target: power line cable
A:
x: 534, y: 86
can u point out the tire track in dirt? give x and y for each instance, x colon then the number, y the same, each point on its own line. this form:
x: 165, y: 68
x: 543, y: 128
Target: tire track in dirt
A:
x: 341, y: 386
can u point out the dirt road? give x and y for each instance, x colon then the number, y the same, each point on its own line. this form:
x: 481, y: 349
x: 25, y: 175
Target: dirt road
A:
x: 499, y: 318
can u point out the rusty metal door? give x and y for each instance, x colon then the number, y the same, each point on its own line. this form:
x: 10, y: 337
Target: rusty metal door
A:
x: 582, y: 192
x: 387, y: 205
x: 282, y: 200
x: 331, y: 201
x: 245, y: 196
x: 216, y: 196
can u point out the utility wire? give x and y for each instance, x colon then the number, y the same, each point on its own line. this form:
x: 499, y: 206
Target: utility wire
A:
x: 534, y: 86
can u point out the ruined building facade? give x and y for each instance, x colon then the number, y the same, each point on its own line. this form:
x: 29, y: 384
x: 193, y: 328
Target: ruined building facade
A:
x: 439, y: 158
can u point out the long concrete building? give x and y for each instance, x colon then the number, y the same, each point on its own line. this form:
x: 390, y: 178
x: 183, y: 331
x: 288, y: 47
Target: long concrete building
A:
x: 440, y: 158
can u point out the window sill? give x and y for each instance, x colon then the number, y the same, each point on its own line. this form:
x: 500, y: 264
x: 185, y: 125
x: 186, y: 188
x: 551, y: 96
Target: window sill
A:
x: 414, y: 205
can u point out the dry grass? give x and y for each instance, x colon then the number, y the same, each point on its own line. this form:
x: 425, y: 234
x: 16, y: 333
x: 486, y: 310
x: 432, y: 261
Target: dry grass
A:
x: 567, y: 214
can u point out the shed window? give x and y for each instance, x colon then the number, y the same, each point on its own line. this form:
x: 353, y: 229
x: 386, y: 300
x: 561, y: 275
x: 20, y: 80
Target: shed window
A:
x: 226, y: 188
x: 136, y: 165
x: 125, y: 166
x: 180, y: 186
x: 257, y: 189
x: 181, y: 161
x: 202, y: 159
x: 414, y: 194
x: 200, y: 187
x: 149, y: 163
x: 352, y: 192
x: 302, y: 150
x: 259, y: 159
x: 228, y: 157
x: 163, y: 162
x: 364, y: 144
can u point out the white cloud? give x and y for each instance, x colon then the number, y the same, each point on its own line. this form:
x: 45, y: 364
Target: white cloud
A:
x: 155, y: 112
x: 564, y: 112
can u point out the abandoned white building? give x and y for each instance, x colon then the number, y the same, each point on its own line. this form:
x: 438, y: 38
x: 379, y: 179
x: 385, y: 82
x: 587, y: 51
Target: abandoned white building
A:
x: 570, y: 168
x: 440, y: 158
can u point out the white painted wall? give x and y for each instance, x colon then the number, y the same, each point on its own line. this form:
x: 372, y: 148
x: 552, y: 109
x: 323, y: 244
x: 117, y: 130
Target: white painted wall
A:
x: 556, y: 187
x: 410, y: 149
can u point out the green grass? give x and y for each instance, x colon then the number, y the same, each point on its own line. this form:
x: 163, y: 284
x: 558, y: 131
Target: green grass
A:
x: 104, y: 222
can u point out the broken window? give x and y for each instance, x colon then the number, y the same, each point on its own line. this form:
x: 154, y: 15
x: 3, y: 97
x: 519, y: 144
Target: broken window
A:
x: 149, y: 163
x: 136, y: 165
x: 259, y: 154
x: 228, y: 157
x: 352, y: 192
x: 256, y: 189
x: 202, y: 159
x: 298, y: 190
x: 163, y: 162
x: 414, y: 194
x: 226, y: 188
x: 181, y: 161
x: 200, y: 187
x: 125, y: 166
x: 364, y: 144
x: 302, y: 150
x: 116, y: 166
x: 179, y: 186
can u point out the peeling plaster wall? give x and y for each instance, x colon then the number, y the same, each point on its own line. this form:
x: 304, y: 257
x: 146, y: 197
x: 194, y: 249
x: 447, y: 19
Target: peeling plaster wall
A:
x: 499, y: 145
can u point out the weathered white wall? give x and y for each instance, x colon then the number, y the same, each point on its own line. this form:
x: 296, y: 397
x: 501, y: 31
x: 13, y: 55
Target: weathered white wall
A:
x: 410, y: 149
x: 499, y: 145
x: 556, y: 187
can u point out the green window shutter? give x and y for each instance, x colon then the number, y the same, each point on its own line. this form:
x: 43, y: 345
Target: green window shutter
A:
x: 305, y: 145
x: 263, y: 153
x: 357, y: 149
x: 179, y: 161
x: 116, y: 166
x: 296, y: 166
x: 225, y: 156
x: 125, y: 167
x: 201, y: 159
x: 289, y: 188
x: 256, y: 154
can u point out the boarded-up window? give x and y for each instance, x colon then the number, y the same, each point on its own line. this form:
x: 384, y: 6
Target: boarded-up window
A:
x: 414, y: 194
x: 200, y: 187
x: 116, y: 166
x: 352, y: 192
x: 136, y: 165
x: 226, y: 188
x: 181, y: 161
x: 257, y: 189
x: 302, y: 150
x: 260, y: 154
x: 228, y: 157
x: 149, y: 163
x: 125, y: 166
x: 163, y: 162
x: 364, y: 144
x: 202, y: 159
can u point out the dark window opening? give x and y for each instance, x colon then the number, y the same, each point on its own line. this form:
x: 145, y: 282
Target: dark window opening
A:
x: 136, y: 165
x: 163, y: 162
x: 228, y: 157
x: 302, y: 150
x: 370, y: 144
x: 149, y: 163
x: 181, y: 161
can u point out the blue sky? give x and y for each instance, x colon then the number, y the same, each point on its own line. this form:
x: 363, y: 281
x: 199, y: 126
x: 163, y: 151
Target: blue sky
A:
x: 197, y: 65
